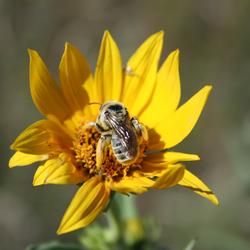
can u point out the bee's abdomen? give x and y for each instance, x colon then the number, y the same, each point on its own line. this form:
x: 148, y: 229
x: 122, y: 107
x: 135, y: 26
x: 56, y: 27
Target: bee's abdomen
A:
x: 122, y: 154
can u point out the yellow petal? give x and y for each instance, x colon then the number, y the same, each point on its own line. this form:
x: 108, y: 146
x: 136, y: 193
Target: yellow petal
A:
x: 44, y: 91
x: 108, y: 76
x: 171, y: 157
x: 42, y: 137
x: 74, y: 71
x: 169, y: 87
x: 152, y: 169
x: 90, y: 87
x: 90, y: 199
x: 170, y: 177
x: 132, y: 184
x: 59, y: 170
x: 141, y: 73
x: 175, y: 128
x: 194, y: 183
x: 155, y: 164
x: 167, y: 92
x: 22, y: 159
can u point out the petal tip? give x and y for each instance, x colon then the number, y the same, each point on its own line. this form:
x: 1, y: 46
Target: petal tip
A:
x: 215, y: 201
x: 12, y: 146
x: 208, y: 87
x: 11, y: 164
x: 175, y: 55
x: 160, y: 33
x: 196, y: 158
x: 106, y: 34
x: 15, y: 145
x: 35, y: 183
x: 32, y: 52
x: 62, y: 230
x: 107, y: 37
x: 158, y: 36
x: 59, y: 231
x: 176, y: 52
x: 206, y: 91
x: 67, y: 45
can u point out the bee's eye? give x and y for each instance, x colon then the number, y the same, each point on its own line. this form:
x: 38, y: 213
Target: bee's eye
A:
x: 115, y: 107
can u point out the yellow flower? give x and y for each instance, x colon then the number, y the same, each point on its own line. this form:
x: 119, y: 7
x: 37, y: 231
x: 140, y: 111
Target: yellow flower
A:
x: 66, y: 141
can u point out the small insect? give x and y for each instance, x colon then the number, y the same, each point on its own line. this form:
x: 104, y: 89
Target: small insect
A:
x: 118, y: 130
x: 128, y: 70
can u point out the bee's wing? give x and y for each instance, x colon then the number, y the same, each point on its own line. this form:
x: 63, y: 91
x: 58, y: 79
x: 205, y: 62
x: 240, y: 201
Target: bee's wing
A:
x: 122, y: 130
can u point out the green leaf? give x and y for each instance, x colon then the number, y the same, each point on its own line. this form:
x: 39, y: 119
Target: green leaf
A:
x: 54, y: 245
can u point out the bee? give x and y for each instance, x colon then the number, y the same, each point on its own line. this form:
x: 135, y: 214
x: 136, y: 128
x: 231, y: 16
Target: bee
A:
x: 118, y: 130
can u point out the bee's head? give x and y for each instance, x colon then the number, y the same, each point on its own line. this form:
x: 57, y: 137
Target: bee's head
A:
x: 113, y: 109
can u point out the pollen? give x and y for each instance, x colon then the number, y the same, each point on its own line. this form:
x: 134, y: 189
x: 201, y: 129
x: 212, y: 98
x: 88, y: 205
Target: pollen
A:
x: 84, y: 150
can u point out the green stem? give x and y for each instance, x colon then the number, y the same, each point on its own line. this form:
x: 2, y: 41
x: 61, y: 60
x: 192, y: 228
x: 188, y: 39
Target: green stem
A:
x: 123, y: 207
x: 122, y: 216
x: 113, y: 232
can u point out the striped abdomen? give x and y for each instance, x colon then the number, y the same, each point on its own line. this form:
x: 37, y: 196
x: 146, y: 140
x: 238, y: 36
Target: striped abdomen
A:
x: 125, y: 151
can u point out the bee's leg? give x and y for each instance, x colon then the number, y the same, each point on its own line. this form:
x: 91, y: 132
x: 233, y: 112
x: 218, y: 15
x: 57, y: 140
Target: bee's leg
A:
x: 94, y: 124
x: 140, y: 129
x: 99, y: 128
x: 101, y: 149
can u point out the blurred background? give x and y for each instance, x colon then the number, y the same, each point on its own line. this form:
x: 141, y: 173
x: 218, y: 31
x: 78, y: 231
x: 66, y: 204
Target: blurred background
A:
x: 214, y: 40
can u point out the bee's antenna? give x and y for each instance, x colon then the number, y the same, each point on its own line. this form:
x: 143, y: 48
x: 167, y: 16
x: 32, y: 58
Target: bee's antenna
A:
x: 91, y: 103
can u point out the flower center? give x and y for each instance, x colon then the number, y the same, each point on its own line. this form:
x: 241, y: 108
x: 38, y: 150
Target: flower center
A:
x: 84, y: 149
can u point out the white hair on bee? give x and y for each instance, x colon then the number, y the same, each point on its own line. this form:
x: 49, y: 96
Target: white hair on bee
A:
x: 122, y: 133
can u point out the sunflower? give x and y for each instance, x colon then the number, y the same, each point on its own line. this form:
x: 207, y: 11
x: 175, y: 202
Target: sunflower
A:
x: 66, y: 141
